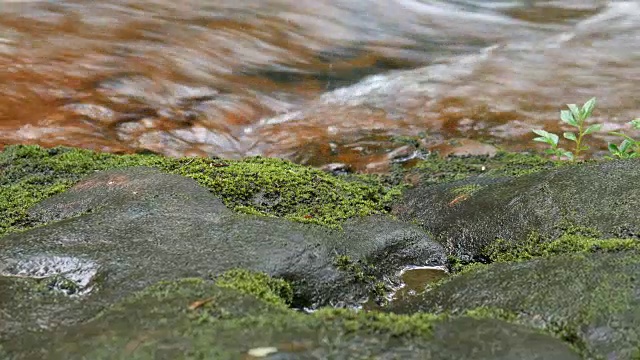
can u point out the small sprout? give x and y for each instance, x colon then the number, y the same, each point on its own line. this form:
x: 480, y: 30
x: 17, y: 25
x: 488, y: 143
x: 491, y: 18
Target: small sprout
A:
x: 552, y: 140
x: 629, y: 148
x: 547, y: 137
x: 575, y: 117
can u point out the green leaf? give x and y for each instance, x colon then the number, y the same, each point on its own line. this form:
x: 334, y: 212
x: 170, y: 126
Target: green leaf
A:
x: 593, y: 128
x: 625, y: 145
x: 575, y: 111
x: 635, y: 123
x: 587, y: 108
x: 613, y: 148
x: 569, y: 135
x: 569, y: 155
x: 547, y: 137
x: 549, y: 151
x: 567, y: 117
x: 541, y: 132
x: 544, y: 140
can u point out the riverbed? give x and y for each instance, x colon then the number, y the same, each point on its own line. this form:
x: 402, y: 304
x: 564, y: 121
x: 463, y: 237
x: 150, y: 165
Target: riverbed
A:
x: 316, y: 82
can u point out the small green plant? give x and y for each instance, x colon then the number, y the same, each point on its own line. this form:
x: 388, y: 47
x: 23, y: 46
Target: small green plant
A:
x: 629, y: 148
x: 577, y: 118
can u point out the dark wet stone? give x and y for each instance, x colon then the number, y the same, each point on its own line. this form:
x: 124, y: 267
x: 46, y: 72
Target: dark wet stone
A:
x: 467, y: 215
x: 197, y: 319
x: 121, y: 230
x: 336, y: 168
x: 469, y: 338
x: 591, y: 300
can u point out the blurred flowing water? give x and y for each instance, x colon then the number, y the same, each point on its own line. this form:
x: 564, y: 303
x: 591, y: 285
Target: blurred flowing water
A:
x: 312, y: 81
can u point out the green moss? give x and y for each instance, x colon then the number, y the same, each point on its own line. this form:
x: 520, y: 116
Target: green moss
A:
x: 486, y: 312
x: 60, y: 283
x: 281, y: 188
x: 29, y: 174
x: 260, y: 285
x: 436, y: 170
x: 170, y: 289
x: 356, y: 269
x: 475, y: 266
x: 259, y: 186
x: 558, y: 330
x: 36, y: 287
x: 216, y: 319
x: 416, y: 325
x: 575, y: 240
x: 195, y: 318
x: 561, y: 294
x: 465, y: 189
x: 457, y: 267
x: 571, y: 242
x: 454, y: 263
x: 363, y: 273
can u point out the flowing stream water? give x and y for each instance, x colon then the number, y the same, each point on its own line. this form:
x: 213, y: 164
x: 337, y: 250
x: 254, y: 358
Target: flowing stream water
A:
x: 316, y: 82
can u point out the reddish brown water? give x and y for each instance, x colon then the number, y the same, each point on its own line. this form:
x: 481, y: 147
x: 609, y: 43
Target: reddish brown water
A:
x: 313, y: 81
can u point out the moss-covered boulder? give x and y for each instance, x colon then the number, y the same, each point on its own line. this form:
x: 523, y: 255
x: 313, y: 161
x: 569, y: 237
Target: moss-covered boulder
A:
x: 467, y: 215
x: 247, y: 319
x: 257, y: 185
x: 589, y: 299
x: 117, y: 231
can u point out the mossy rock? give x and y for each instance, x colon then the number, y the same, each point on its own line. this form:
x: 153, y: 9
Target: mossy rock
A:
x: 196, y: 319
x: 120, y: 230
x: 589, y: 299
x: 602, y: 197
x: 436, y: 170
x: 257, y: 185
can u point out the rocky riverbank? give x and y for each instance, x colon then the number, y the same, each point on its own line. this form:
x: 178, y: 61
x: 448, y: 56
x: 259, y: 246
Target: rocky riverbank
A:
x: 140, y: 256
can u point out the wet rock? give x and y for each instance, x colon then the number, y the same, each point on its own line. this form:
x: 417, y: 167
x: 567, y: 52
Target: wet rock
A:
x: 470, y: 214
x: 464, y: 147
x: 99, y: 270
x: 589, y: 299
x: 192, y: 318
x: 94, y: 112
x: 336, y: 168
x: 121, y: 230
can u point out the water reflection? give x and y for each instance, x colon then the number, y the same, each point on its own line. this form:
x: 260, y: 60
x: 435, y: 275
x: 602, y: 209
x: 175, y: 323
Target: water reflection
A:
x: 314, y: 81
